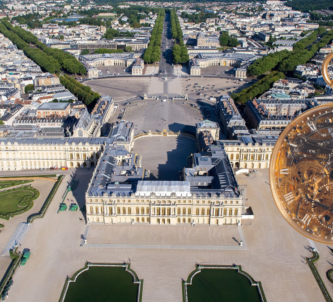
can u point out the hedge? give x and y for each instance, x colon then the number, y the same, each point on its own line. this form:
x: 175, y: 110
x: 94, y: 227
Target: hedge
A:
x: 47, y: 202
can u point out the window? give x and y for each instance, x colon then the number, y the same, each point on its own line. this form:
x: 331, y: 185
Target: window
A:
x: 230, y: 212
x: 184, y: 211
x: 224, y: 212
x: 197, y: 211
x: 137, y: 210
x: 178, y: 211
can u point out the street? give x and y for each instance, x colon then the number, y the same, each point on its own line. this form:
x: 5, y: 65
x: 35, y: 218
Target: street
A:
x: 166, y: 68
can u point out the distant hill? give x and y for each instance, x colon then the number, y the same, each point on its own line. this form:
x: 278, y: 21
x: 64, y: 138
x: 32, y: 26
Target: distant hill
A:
x: 310, y: 5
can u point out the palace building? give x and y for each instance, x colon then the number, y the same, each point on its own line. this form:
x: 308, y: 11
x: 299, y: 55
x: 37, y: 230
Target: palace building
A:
x: 120, y: 190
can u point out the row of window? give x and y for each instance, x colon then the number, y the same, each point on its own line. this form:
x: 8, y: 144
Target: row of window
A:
x: 165, y: 211
x: 166, y: 202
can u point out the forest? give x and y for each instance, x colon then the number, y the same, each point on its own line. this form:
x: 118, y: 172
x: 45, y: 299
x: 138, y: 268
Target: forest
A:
x: 310, y: 5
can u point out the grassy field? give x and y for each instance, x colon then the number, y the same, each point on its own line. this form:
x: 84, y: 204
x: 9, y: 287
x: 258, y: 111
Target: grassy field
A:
x: 226, y: 285
x: 10, y: 183
x: 103, y: 284
x: 9, y: 200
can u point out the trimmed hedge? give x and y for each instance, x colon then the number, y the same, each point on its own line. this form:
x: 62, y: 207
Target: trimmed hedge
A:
x: 47, y: 202
x: 16, y: 257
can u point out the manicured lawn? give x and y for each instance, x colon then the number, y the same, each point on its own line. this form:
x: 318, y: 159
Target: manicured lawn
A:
x: 9, y: 183
x: 103, y: 284
x: 223, y: 285
x: 9, y: 200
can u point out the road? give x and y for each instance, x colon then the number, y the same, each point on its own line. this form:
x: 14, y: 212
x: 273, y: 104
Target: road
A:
x: 38, y: 172
x: 166, y: 48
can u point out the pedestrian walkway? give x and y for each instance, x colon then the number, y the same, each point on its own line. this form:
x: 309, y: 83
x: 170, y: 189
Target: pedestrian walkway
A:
x: 241, y: 247
x: 16, y: 238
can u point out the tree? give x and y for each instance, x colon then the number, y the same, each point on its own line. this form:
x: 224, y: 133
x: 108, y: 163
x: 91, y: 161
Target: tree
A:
x: 128, y: 49
x: 85, y: 52
x: 61, y: 37
x: 233, y: 42
x: 29, y: 87
x: 224, y: 38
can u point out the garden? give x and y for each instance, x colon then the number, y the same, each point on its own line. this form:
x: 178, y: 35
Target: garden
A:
x: 10, y: 183
x: 17, y: 201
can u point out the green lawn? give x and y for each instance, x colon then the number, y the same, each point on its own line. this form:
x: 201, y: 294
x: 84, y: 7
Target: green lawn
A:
x: 9, y: 183
x: 221, y: 285
x: 9, y: 200
x: 103, y: 284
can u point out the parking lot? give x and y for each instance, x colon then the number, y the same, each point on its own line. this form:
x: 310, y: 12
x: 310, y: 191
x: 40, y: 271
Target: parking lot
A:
x: 120, y: 89
x: 205, y: 88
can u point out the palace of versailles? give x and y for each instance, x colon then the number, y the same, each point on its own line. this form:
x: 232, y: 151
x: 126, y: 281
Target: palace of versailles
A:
x: 120, y: 190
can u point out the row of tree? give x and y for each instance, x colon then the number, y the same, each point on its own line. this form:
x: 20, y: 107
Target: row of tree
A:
x: 82, y: 92
x: 176, y: 30
x: 59, y: 58
x: 266, y: 63
x: 309, y: 40
x: 180, y: 54
x: 300, y: 57
x: 226, y: 40
x: 46, y: 63
x: 179, y: 51
x: 258, y: 88
x: 286, y: 61
x: 153, y: 52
